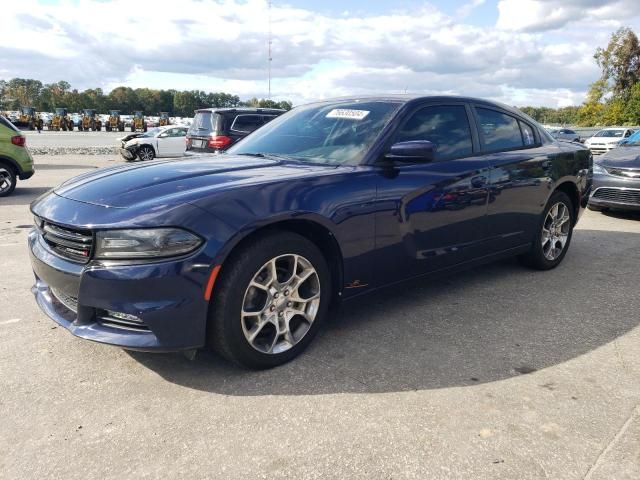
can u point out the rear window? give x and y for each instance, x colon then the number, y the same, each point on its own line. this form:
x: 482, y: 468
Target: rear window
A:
x: 247, y: 123
x: 8, y: 124
x: 499, y: 130
x: 204, y: 123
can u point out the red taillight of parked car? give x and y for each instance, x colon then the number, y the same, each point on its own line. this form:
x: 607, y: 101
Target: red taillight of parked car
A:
x: 188, y: 141
x: 19, y: 140
x: 219, y: 141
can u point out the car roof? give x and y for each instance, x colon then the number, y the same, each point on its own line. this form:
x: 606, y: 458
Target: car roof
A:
x: 415, y: 99
x: 241, y: 110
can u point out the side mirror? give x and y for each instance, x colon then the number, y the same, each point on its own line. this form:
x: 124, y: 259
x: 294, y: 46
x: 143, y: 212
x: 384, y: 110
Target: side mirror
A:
x: 412, y: 151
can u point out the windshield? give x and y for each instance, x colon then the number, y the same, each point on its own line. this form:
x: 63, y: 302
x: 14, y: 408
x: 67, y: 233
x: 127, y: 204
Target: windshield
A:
x: 633, y: 140
x: 151, y: 132
x: 337, y: 133
x: 610, y: 133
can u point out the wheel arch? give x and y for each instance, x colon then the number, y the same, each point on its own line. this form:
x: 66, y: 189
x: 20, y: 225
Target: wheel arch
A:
x: 571, y: 189
x: 142, y: 145
x: 310, y: 228
x: 11, y: 163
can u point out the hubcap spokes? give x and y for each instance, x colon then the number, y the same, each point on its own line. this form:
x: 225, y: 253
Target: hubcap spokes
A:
x: 280, y: 304
x: 5, y: 180
x: 555, y: 231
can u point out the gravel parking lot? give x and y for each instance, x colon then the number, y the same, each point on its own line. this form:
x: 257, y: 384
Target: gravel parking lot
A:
x: 496, y: 373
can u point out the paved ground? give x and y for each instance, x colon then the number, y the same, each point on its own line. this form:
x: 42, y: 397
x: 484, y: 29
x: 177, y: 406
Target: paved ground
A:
x: 498, y: 373
x: 73, y: 139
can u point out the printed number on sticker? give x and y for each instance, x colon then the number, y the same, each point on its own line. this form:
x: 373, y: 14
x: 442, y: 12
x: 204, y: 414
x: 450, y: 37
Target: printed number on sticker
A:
x: 348, y: 114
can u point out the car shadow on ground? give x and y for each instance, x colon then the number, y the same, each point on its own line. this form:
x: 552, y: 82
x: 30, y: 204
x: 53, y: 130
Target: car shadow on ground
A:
x: 23, y: 195
x: 484, y: 325
x: 622, y: 214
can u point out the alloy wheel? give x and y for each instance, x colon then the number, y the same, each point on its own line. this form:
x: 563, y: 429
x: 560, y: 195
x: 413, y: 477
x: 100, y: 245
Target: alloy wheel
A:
x: 555, y: 231
x: 280, y: 304
x: 6, y: 180
x: 146, y: 154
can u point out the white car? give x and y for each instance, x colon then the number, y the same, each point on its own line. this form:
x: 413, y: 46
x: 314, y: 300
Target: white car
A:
x: 168, y: 141
x: 606, y: 139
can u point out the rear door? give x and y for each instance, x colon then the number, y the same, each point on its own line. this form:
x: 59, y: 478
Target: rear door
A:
x: 205, y: 124
x: 519, y: 178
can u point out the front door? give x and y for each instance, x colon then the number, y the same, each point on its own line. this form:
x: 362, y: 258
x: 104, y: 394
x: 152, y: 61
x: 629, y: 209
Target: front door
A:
x: 432, y: 215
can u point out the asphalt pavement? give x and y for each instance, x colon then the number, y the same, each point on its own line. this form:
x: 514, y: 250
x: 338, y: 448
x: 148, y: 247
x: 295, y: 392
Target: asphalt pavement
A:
x: 495, y: 373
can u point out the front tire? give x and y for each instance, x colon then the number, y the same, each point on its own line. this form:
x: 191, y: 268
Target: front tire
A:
x: 146, y: 153
x: 554, y: 234
x: 269, y: 301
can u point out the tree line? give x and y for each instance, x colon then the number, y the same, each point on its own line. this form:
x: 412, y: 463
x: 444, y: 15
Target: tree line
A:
x: 614, y: 98
x: 19, y: 92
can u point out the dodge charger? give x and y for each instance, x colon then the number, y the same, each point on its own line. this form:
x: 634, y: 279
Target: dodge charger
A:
x: 246, y: 251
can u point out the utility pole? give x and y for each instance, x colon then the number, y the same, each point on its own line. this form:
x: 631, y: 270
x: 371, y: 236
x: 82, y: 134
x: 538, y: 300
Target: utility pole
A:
x: 270, y: 58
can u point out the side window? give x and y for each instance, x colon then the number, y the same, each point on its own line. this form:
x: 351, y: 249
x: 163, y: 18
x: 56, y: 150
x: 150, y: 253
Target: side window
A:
x: 267, y: 118
x: 246, y: 123
x: 627, y: 134
x: 499, y: 130
x: 447, y: 126
x: 527, y: 134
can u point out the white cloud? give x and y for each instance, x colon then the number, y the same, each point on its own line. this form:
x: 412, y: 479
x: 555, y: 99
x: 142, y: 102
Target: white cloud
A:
x: 465, y: 10
x: 544, y: 15
x: 222, y: 46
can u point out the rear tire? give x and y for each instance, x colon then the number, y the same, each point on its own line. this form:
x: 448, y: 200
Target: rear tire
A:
x: 8, y: 180
x: 553, y: 235
x: 291, y: 311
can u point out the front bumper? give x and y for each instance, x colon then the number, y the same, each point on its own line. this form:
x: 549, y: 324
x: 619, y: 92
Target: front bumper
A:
x: 166, y: 297
x: 129, y: 154
x: 602, y: 148
x: 610, y: 191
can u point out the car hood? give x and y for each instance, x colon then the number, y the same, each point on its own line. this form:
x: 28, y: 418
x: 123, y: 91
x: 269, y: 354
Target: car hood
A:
x: 166, y: 182
x: 622, y: 157
x: 131, y: 136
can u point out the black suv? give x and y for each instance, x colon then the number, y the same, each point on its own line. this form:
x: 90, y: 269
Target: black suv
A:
x: 216, y: 129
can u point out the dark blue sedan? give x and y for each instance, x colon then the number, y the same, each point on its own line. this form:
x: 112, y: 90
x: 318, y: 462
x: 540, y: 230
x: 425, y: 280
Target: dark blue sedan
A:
x: 246, y: 251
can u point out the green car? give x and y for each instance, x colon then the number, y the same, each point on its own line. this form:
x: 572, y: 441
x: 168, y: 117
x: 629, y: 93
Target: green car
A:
x: 15, y: 159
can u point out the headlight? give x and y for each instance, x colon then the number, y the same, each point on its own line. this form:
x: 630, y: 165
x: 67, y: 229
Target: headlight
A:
x: 145, y: 243
x: 597, y: 169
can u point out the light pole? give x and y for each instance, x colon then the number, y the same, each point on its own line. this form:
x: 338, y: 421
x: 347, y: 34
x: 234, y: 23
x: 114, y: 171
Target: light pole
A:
x: 270, y: 58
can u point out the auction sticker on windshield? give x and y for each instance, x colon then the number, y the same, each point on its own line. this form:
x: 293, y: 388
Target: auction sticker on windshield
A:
x: 348, y: 114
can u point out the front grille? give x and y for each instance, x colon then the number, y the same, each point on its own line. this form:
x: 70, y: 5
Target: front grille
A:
x: 120, y: 321
x: 624, y: 172
x: 67, y: 300
x: 73, y: 244
x: 629, y: 196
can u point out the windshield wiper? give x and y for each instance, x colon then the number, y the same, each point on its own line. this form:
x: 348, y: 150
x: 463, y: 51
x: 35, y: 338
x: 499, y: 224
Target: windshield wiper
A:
x: 266, y: 155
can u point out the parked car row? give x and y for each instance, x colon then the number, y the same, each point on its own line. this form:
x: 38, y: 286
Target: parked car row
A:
x: 212, y: 131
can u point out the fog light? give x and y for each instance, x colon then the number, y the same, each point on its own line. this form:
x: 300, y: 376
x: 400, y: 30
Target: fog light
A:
x: 124, y: 316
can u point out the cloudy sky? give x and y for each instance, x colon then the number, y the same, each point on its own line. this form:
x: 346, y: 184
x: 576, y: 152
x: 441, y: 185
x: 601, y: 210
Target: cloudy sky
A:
x: 522, y: 52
